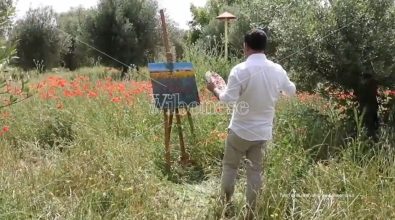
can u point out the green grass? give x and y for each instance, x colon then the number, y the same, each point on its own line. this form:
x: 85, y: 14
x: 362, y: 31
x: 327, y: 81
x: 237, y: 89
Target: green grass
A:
x: 94, y: 159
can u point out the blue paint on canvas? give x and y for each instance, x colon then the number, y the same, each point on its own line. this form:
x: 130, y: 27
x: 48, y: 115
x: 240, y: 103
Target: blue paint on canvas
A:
x: 168, y: 67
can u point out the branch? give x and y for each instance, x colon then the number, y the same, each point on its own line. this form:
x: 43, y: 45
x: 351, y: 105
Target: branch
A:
x: 21, y: 100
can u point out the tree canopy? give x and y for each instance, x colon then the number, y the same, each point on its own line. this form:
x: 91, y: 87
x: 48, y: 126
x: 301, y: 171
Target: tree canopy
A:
x: 335, y: 41
x: 38, y: 39
x: 126, y: 30
x: 7, y: 50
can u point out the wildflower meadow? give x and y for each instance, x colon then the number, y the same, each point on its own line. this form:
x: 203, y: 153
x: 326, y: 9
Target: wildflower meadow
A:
x: 92, y: 148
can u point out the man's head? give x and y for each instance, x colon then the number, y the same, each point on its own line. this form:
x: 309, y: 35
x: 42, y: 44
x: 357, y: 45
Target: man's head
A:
x: 255, y: 42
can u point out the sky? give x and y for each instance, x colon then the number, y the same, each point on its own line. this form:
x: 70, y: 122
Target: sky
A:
x: 178, y: 10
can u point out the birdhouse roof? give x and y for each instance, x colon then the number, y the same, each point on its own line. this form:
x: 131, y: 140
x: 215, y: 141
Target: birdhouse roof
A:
x: 226, y: 15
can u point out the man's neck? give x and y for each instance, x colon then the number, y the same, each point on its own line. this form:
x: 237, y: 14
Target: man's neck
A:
x: 255, y: 53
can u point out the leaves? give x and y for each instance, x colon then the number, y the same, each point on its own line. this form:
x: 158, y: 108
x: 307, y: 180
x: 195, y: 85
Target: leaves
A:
x: 125, y: 30
x: 339, y: 43
x: 9, y: 94
x: 38, y: 39
x: 336, y: 41
x: 6, y: 55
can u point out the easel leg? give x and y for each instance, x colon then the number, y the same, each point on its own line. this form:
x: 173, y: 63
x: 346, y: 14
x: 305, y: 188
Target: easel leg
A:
x: 191, y: 124
x: 168, y: 123
x: 184, y: 156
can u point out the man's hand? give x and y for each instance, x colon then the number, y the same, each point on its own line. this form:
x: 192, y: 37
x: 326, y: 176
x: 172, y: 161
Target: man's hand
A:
x: 211, y: 87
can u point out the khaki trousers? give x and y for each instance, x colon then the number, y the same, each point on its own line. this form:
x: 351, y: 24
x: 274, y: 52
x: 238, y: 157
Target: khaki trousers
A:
x: 235, y: 149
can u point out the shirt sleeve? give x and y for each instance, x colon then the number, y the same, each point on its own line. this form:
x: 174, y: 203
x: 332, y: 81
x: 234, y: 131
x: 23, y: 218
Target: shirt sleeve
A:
x: 287, y: 86
x: 233, y: 88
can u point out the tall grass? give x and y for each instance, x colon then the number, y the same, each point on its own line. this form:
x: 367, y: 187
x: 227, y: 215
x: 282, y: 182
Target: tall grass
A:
x: 206, y: 59
x: 94, y: 159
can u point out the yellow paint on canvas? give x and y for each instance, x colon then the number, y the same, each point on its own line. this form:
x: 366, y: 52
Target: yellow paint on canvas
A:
x: 172, y: 75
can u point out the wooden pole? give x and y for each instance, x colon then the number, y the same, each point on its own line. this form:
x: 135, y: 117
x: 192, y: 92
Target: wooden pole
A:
x: 169, y: 55
x: 184, y: 155
x: 191, y: 124
x: 167, y: 126
x: 226, y: 39
x: 168, y: 118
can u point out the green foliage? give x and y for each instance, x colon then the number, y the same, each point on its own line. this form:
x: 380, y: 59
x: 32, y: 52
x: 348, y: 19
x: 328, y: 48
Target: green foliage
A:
x: 316, y: 131
x: 346, y: 43
x: 205, y: 58
x: 335, y: 41
x: 55, y: 130
x: 6, y: 11
x: 124, y: 30
x: 205, y: 27
x: 7, y: 55
x: 176, y: 38
x: 38, y: 39
x: 7, y: 51
x: 116, y: 33
x: 72, y: 31
x: 338, y: 42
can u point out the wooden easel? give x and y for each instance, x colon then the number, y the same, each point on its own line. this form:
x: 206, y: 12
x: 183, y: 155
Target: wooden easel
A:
x: 169, y: 113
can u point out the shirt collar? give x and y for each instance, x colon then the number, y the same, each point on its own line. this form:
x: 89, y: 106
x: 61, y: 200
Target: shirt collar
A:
x: 256, y: 56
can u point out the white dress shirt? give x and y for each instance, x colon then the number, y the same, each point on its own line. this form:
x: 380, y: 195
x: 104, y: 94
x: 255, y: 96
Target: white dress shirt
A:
x: 254, y: 87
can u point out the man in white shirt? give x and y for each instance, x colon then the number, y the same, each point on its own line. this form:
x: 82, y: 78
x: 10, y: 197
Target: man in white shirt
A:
x: 254, y: 87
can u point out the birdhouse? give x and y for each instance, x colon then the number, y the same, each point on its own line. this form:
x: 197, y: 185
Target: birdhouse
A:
x: 226, y: 16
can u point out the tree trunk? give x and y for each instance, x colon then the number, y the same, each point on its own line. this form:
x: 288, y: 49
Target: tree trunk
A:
x: 69, y: 58
x: 367, y: 93
x: 125, y: 70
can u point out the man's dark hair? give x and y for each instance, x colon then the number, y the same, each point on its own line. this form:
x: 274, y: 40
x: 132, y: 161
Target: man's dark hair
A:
x: 256, y: 39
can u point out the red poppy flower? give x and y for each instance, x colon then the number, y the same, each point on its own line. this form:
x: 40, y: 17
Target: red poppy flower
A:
x: 116, y: 99
x: 4, y: 130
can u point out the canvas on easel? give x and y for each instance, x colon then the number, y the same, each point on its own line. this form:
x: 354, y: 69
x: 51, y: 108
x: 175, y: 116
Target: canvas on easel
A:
x: 174, y: 88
